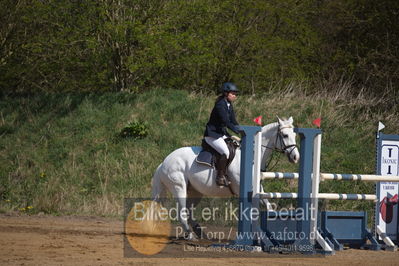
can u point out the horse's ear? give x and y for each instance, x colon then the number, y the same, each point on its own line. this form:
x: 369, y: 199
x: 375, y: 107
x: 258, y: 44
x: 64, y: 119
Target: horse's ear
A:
x: 291, y: 120
x: 279, y: 120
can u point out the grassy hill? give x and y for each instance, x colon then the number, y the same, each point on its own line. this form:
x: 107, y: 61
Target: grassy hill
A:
x: 62, y: 153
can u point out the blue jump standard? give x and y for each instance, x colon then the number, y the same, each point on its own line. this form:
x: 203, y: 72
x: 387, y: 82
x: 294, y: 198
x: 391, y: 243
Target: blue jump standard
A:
x: 247, y: 157
x: 277, y: 230
x: 302, y: 226
x: 294, y: 229
x: 245, y: 241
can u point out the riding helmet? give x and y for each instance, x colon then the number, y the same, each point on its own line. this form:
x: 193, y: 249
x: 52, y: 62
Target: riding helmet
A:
x: 229, y: 87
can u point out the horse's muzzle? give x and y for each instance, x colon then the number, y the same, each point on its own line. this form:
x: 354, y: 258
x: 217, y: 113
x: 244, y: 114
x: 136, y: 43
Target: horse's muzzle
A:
x: 293, y: 154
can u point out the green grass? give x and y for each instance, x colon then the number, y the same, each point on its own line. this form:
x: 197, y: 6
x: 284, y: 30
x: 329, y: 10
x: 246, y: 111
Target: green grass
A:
x: 62, y: 154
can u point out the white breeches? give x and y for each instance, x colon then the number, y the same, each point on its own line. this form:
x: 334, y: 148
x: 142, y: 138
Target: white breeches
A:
x: 219, y: 145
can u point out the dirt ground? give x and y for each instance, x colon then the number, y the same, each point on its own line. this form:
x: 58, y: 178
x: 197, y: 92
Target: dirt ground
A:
x: 49, y: 240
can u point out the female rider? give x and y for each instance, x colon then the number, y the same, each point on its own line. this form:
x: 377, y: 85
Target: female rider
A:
x: 222, y: 117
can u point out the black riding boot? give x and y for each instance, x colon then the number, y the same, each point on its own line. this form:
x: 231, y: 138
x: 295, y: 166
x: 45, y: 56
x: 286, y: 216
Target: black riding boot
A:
x: 221, y: 165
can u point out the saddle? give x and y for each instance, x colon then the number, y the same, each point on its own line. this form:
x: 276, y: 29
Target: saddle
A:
x: 209, y: 156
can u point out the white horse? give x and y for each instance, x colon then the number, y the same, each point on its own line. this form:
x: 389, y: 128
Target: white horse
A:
x: 186, y: 179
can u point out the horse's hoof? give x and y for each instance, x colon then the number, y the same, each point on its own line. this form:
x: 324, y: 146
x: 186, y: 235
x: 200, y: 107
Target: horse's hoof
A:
x: 190, y: 237
x: 220, y: 184
x: 194, y: 239
x: 226, y: 183
x: 198, y: 231
x: 223, y: 183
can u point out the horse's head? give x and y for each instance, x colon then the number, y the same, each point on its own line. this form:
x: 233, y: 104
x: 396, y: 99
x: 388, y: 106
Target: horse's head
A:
x: 286, y: 139
x: 279, y: 136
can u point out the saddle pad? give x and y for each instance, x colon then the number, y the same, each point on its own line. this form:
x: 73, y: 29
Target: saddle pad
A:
x: 206, y: 158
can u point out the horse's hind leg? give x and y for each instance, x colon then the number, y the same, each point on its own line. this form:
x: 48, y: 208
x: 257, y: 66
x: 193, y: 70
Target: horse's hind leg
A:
x: 179, y: 190
x: 193, y: 198
x: 184, y: 215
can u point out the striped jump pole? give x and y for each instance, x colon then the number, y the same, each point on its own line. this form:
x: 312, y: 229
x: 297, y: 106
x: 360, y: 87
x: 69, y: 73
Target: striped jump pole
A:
x: 278, y: 195
x: 331, y: 196
x: 278, y: 175
x: 328, y: 176
x: 344, y: 196
x: 357, y: 177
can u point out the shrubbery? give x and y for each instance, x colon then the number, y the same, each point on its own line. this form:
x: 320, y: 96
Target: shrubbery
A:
x: 135, y: 130
x: 137, y: 45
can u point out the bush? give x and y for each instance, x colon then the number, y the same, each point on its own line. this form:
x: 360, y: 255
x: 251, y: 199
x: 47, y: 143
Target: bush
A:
x: 136, y: 130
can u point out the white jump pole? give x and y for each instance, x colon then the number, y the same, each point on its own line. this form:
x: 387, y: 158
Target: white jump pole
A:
x: 387, y: 240
x: 256, y: 176
x: 315, y: 183
x: 256, y: 185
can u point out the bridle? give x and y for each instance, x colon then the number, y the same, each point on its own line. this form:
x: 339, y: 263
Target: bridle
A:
x: 284, y: 148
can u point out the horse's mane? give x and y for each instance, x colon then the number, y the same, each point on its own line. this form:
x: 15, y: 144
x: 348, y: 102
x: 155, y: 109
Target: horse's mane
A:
x: 268, y: 127
x: 271, y: 126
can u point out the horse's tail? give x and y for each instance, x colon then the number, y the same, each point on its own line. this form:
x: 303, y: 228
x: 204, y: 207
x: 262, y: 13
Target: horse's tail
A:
x: 158, y: 188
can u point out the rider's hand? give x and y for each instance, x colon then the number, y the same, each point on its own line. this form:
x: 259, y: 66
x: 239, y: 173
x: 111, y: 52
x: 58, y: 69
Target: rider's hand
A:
x: 236, y: 138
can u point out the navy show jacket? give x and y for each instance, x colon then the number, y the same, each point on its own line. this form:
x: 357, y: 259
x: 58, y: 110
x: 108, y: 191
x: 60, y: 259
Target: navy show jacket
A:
x: 222, y: 117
